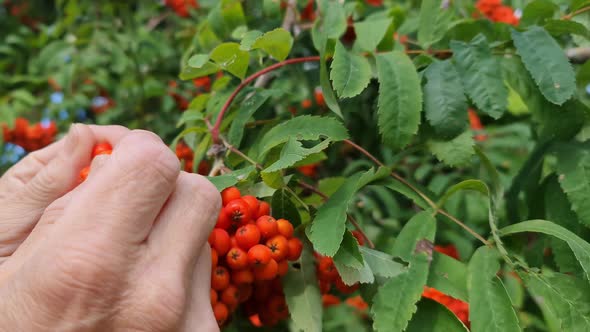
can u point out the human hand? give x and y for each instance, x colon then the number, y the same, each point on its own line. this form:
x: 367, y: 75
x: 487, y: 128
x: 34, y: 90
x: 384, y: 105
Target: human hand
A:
x: 125, y: 250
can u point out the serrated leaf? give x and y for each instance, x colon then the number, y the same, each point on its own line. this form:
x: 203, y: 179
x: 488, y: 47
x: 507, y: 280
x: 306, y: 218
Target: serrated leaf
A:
x: 370, y: 33
x: 247, y: 109
x: 284, y: 208
x: 574, y: 177
x: 350, y: 73
x: 580, y: 247
x: 481, y: 78
x: 277, y: 43
x: 382, y: 264
x: 445, y: 104
x: 227, y: 180
x: 434, y: 317
x: 400, y: 98
x: 320, y: 40
x: 292, y: 152
x: 537, y: 12
x: 349, y: 253
x: 448, y: 275
x: 395, y: 301
x: 230, y: 57
x: 434, y: 22
x: 353, y: 275
x: 401, y: 188
x: 475, y: 185
x: 329, y: 225
x: 567, y: 297
x: 490, y: 308
x: 547, y: 64
x: 563, y: 27
x: 303, y: 295
x: 249, y: 39
x: 303, y: 128
x: 456, y: 152
x: 334, y: 20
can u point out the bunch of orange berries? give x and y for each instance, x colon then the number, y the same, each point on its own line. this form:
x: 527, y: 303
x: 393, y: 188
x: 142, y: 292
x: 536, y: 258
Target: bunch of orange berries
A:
x: 186, y: 155
x: 30, y: 137
x: 182, y: 7
x: 495, y: 11
x: 250, y: 251
x: 99, y: 149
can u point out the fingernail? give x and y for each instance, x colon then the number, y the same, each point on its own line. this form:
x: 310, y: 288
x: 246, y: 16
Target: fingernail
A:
x: 72, y: 137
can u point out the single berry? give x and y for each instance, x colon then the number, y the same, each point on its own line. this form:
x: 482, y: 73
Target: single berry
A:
x: 279, y: 247
x: 237, y: 259
x: 102, y: 148
x: 285, y: 228
x: 220, y: 241
x: 221, y: 313
x: 231, y: 297
x: 230, y: 194
x: 295, y: 248
x: 327, y: 270
x: 267, y: 226
x: 214, y: 258
x: 220, y: 278
x: 213, y: 295
x: 253, y: 204
x: 283, y: 268
x: 245, y: 276
x: 238, y: 212
x: 223, y: 221
x: 263, y: 209
x: 259, y: 255
x: 266, y: 272
x: 247, y: 236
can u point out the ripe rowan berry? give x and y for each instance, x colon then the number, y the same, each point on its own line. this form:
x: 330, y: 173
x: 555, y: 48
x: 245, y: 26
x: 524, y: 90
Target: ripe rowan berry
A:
x: 295, y: 247
x: 279, y: 248
x: 247, y: 236
x: 326, y: 269
x: 232, y: 241
x: 221, y: 313
x: 84, y: 173
x: 220, y: 241
x: 283, y: 268
x: 237, y: 259
x: 229, y: 194
x: 285, y: 228
x: 245, y: 276
x: 344, y: 288
x: 259, y: 255
x: 329, y: 300
x: 253, y: 204
x: 324, y: 286
x: 223, y: 221
x: 267, y: 226
x: 231, y: 297
x: 220, y: 278
x: 306, y: 103
x: 261, y: 291
x: 278, y: 306
x: 263, y: 209
x: 214, y: 258
x: 238, y: 212
x: 359, y: 237
x: 102, y: 148
x: 245, y: 291
x: 213, y: 296
x: 266, y: 272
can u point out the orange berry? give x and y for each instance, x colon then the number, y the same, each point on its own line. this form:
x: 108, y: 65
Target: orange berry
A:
x: 295, y: 247
x: 245, y: 291
x: 327, y: 270
x: 245, y: 276
x: 230, y: 296
x: 84, y: 173
x: 259, y: 255
x: 214, y: 258
x: 220, y: 278
x: 102, y: 148
x: 266, y: 272
x: 279, y: 248
x: 220, y: 241
x: 247, y: 236
x: 238, y: 212
x: 213, y: 296
x: 263, y: 209
x: 229, y: 194
x: 329, y: 300
x: 253, y: 203
x: 267, y: 226
x: 306, y: 103
x: 285, y: 228
x: 359, y: 237
x: 283, y: 268
x: 223, y: 221
x: 221, y: 313
x: 237, y: 259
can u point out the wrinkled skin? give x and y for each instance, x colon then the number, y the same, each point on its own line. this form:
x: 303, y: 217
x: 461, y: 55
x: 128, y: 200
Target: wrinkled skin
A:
x: 124, y: 251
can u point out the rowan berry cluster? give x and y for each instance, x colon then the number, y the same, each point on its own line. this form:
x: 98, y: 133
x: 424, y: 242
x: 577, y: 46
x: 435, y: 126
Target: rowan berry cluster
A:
x: 182, y: 7
x: 99, y: 149
x: 186, y: 155
x: 30, y: 137
x: 332, y: 286
x: 250, y: 251
x: 495, y: 11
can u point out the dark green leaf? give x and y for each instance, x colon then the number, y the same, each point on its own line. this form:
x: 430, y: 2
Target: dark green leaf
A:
x: 434, y: 317
x: 247, y: 109
x: 574, y: 177
x: 369, y: 33
x: 230, y: 57
x: 449, y: 276
x: 350, y: 73
x: 277, y: 43
x: 284, y: 208
x: 434, y: 22
x: 456, y: 152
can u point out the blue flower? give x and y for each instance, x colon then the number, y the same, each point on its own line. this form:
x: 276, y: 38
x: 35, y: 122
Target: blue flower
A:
x: 57, y: 97
x: 99, y: 101
x: 81, y: 114
x: 63, y: 114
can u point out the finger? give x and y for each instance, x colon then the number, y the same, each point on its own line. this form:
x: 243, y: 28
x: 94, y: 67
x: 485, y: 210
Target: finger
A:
x: 24, y: 170
x: 124, y: 198
x: 98, y: 163
x: 199, y: 314
x: 186, y: 220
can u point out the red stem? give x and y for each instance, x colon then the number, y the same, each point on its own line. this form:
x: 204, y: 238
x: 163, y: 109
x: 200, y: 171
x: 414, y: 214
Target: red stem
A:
x: 248, y: 80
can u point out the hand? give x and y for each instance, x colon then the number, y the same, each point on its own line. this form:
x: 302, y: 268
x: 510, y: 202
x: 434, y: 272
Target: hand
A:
x: 124, y: 251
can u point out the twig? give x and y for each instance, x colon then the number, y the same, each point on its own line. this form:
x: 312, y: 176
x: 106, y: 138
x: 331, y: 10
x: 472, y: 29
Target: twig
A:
x: 574, y: 13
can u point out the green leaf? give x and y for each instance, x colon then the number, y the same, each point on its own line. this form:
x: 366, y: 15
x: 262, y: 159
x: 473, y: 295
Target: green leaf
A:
x: 350, y: 73
x: 547, y: 63
x: 334, y: 20
x: 303, y: 128
x: 226, y: 17
x: 353, y: 275
x: 400, y: 98
x: 329, y: 225
x: 563, y: 27
x: 189, y: 116
x: 567, y: 297
x: 434, y: 22
x: 303, y: 295
x: 230, y: 57
x: 434, y: 317
x: 395, y: 301
x: 247, y: 109
x: 580, y: 247
x: 490, y: 308
x: 574, y: 177
x: 445, y: 104
x: 277, y: 43
x: 198, y: 60
x: 456, y: 152
x: 369, y: 33
x: 382, y: 264
x: 320, y: 40
x: 292, y: 152
x: 349, y: 253
x: 284, y: 208
x: 189, y: 72
x: 401, y: 188
x: 482, y: 80
x: 475, y: 185
x: 448, y: 275
x: 249, y: 39
x: 537, y: 12
x: 227, y: 180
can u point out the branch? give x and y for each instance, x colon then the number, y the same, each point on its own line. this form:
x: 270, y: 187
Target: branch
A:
x: 574, y: 13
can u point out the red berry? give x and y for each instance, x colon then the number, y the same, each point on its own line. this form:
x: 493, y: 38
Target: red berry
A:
x: 221, y: 313
x: 253, y: 204
x: 266, y: 272
x: 102, y: 148
x: 263, y: 209
x: 220, y: 278
x: 220, y: 241
x: 247, y: 236
x: 267, y: 226
x: 259, y: 255
x: 237, y: 259
x: 223, y: 221
x: 283, y: 268
x: 279, y: 247
x: 244, y: 276
x: 230, y: 194
x: 285, y: 228
x: 295, y: 248
x: 238, y: 212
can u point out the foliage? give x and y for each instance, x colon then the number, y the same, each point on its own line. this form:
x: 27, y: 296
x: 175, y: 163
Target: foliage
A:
x: 350, y: 115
